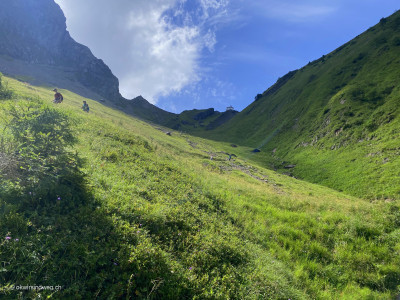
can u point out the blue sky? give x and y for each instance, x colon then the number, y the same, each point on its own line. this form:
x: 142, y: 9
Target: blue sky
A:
x: 185, y: 54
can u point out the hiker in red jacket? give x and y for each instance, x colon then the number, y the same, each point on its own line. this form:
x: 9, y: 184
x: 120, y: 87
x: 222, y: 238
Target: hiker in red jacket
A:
x: 58, y: 98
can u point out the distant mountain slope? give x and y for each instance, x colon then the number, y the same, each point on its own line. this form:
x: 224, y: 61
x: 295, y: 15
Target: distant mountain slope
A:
x: 143, y: 109
x: 200, y: 120
x: 336, y: 119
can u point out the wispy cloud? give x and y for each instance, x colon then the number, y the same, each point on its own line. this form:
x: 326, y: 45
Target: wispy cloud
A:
x: 210, y: 40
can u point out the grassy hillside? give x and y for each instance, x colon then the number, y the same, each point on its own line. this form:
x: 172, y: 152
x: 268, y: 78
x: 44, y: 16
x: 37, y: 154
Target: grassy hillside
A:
x: 336, y: 119
x: 198, y: 120
x: 107, y: 206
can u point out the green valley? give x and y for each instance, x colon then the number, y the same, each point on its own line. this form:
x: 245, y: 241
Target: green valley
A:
x: 107, y: 206
x: 335, y: 121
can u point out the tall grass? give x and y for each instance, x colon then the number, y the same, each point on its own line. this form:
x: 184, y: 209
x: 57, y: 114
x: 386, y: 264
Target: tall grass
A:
x: 107, y: 206
x: 5, y: 92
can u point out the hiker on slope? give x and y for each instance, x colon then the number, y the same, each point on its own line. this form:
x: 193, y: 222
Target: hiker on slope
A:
x: 58, y: 98
x: 85, y: 106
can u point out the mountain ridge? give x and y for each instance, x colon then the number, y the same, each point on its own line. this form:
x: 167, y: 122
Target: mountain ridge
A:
x: 330, y: 117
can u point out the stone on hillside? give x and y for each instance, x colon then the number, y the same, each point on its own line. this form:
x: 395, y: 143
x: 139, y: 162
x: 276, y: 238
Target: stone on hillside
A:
x: 290, y: 166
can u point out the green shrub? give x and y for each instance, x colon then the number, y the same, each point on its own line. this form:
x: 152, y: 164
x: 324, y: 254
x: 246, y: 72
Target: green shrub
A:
x: 40, y: 137
x: 396, y: 41
x: 5, y: 92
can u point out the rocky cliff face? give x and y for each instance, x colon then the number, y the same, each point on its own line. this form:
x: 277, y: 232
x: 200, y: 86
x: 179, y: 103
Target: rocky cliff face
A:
x: 34, y: 32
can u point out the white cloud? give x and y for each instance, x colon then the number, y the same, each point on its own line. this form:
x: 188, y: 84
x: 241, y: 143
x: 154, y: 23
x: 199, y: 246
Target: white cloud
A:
x: 164, y: 57
x: 213, y: 5
x: 210, y: 40
x: 150, y: 54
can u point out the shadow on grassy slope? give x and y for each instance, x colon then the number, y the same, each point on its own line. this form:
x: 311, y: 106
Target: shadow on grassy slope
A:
x: 53, y: 232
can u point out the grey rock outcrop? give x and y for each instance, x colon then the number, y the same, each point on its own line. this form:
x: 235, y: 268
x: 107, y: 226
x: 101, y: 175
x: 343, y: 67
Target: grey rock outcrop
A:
x: 34, y: 42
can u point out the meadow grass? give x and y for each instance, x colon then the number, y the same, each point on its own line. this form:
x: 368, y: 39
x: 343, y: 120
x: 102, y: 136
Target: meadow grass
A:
x: 118, y: 209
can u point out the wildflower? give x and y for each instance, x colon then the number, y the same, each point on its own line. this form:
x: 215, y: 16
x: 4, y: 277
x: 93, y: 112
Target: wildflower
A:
x: 16, y: 240
x: 115, y: 264
x: 58, y: 198
x: 8, y: 237
x: 190, y: 268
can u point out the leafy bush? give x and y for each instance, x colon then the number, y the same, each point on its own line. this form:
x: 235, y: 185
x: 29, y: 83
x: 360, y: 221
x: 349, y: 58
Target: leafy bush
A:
x: 359, y: 57
x: 396, y: 41
x: 5, y: 92
x: 40, y: 137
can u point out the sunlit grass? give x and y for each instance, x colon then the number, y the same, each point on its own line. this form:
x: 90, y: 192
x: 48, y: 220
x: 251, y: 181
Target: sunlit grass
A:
x: 155, y: 217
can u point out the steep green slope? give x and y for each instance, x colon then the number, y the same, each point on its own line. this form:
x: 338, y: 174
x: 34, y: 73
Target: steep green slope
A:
x: 141, y: 108
x: 336, y: 119
x: 104, y: 205
x: 198, y: 120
